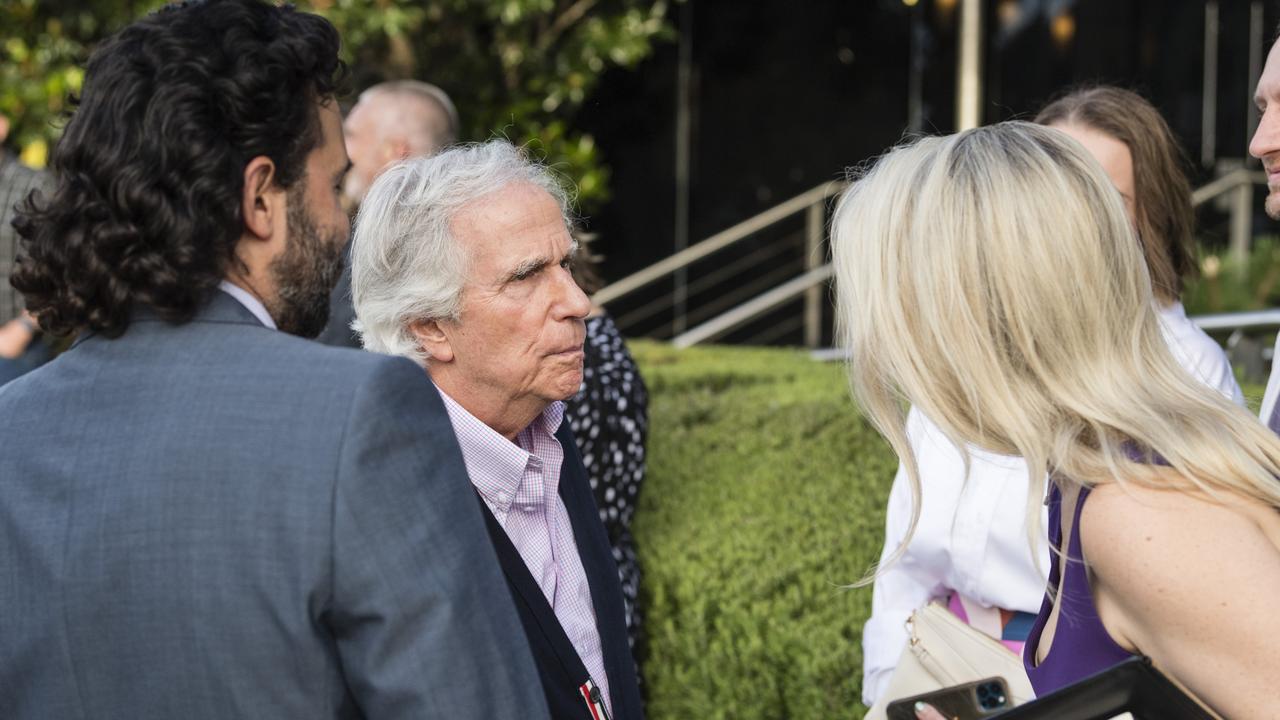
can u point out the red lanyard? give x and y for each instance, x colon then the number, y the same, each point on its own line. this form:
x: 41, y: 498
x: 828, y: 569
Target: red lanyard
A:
x: 594, y: 699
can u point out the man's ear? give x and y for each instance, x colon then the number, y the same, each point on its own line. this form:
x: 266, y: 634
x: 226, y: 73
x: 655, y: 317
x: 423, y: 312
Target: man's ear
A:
x: 432, y: 337
x: 261, y: 200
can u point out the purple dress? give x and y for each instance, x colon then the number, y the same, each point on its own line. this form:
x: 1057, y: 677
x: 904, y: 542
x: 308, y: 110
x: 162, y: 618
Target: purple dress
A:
x: 1081, y: 645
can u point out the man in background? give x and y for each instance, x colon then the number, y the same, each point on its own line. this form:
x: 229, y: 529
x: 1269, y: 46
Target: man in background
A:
x: 1266, y: 147
x: 392, y: 121
x: 203, y: 515
x: 20, y: 347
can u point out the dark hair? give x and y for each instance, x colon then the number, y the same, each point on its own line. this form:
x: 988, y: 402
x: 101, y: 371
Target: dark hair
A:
x: 150, y: 169
x: 1162, y: 196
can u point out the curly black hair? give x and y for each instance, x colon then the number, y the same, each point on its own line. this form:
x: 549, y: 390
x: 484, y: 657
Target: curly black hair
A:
x: 149, y: 170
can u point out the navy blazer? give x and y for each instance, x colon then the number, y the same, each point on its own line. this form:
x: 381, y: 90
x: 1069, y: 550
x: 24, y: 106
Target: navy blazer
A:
x: 562, y: 670
x: 217, y: 520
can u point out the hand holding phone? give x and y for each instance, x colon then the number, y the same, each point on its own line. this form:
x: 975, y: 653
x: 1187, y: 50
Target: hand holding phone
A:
x: 970, y: 701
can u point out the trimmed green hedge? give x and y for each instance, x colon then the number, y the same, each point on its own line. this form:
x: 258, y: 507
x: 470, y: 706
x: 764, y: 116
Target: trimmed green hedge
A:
x: 765, y: 493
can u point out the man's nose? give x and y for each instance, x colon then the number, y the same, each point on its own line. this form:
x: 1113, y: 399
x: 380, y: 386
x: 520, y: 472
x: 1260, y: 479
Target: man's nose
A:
x: 1266, y: 139
x: 573, y: 302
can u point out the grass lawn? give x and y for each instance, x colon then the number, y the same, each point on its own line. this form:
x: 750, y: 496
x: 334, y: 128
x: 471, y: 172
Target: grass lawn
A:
x: 765, y: 494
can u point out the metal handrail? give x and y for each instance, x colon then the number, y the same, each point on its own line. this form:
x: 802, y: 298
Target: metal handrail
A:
x: 726, y: 321
x: 1239, y: 180
x: 1237, y: 320
x: 1226, y: 183
x: 719, y: 241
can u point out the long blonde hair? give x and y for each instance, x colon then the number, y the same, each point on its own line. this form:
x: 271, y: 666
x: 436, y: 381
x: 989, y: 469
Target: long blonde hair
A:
x: 992, y: 279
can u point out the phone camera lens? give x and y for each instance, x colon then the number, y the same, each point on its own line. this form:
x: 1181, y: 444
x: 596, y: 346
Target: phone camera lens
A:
x: 991, y: 696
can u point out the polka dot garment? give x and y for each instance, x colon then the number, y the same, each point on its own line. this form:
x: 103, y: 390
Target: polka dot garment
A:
x: 610, y: 420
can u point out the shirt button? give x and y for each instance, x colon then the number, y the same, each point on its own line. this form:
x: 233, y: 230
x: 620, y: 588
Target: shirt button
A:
x: 503, y: 496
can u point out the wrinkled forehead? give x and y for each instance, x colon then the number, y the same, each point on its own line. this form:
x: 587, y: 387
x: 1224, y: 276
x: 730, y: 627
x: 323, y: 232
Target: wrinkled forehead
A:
x: 517, y: 222
x: 510, y: 210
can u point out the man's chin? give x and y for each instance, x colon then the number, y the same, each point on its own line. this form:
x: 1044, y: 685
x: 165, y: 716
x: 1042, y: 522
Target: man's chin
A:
x: 568, y: 386
x: 304, y: 321
x: 311, y: 330
x: 1272, y: 205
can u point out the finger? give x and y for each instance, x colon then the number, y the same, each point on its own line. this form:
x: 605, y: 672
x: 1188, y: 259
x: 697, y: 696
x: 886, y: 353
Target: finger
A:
x: 925, y: 711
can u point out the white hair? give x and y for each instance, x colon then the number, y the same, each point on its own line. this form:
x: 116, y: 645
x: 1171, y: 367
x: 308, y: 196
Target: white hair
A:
x: 406, y: 263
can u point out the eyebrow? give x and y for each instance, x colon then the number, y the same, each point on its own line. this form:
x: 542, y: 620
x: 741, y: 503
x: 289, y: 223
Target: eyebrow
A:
x: 533, y: 265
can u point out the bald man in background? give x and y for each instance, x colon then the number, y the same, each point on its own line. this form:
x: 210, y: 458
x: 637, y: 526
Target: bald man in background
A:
x: 391, y: 121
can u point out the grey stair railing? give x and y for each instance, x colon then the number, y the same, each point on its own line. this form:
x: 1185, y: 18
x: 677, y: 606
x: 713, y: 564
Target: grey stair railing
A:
x: 1235, y: 187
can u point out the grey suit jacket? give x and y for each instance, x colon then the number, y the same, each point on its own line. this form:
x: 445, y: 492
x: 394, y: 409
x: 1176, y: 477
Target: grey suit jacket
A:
x: 217, y: 520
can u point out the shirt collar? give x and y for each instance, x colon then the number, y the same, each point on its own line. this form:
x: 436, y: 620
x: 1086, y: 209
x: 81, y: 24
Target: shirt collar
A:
x: 550, y: 419
x: 251, y: 303
x: 494, y: 464
x: 1173, y: 311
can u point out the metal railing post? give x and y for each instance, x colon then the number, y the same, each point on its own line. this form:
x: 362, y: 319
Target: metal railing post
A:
x: 1209, y: 89
x: 1241, y: 225
x: 969, y: 66
x: 814, y: 220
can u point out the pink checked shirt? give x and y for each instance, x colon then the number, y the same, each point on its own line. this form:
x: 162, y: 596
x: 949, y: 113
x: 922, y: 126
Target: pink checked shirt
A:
x: 520, y: 483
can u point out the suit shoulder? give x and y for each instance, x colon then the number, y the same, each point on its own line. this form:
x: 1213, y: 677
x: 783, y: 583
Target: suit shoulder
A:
x: 312, y: 358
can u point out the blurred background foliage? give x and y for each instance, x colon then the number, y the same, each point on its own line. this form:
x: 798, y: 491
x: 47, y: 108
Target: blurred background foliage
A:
x: 515, y: 68
x: 1225, y: 285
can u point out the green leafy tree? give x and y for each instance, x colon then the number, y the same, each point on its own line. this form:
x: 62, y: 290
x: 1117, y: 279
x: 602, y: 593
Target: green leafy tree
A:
x: 516, y: 68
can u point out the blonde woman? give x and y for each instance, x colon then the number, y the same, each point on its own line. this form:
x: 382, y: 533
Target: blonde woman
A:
x: 969, y: 549
x: 992, y: 280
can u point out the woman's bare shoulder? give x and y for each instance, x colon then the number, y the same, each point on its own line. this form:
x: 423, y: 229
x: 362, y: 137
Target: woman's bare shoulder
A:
x: 1191, y: 581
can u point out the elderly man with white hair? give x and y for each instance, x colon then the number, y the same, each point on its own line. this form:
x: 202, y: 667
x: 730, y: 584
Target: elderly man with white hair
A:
x: 461, y: 262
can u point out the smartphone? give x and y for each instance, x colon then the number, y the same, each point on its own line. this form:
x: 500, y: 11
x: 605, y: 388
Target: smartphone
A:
x: 970, y: 701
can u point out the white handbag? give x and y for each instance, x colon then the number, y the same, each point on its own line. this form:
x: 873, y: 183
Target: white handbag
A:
x: 942, y: 651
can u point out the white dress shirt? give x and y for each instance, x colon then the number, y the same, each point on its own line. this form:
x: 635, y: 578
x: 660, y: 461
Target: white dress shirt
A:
x: 972, y: 537
x: 1273, y: 386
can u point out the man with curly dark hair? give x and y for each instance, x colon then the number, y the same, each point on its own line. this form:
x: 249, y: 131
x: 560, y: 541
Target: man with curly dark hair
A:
x: 201, y: 517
